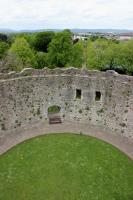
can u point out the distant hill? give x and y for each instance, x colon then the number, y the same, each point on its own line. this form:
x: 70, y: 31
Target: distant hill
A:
x: 101, y: 30
x: 73, y: 30
x: 2, y: 30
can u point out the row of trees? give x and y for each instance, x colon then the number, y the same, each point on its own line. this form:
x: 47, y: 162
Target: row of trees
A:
x: 43, y: 49
x: 105, y: 54
x: 51, y: 49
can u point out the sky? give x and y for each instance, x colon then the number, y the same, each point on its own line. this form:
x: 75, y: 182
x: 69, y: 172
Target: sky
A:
x: 45, y: 14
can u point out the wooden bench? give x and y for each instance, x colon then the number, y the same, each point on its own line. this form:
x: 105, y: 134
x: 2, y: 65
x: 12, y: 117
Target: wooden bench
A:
x: 55, y: 120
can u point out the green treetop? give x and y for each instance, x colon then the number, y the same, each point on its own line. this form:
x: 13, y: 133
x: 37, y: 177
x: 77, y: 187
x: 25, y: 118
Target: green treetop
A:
x: 23, y: 54
x: 60, y: 49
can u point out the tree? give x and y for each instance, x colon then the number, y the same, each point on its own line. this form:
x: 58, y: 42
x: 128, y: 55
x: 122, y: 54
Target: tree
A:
x: 111, y: 55
x: 3, y: 48
x: 22, y: 53
x: 94, y: 38
x: 3, y: 37
x: 77, y: 54
x: 96, y: 54
x: 41, y: 59
x: 60, y: 49
x: 11, y: 63
x: 103, y: 54
x: 125, y: 59
x: 42, y: 40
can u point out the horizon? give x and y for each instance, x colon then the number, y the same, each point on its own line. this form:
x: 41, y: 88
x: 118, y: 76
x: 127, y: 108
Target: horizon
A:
x: 71, y: 29
x: 50, y: 14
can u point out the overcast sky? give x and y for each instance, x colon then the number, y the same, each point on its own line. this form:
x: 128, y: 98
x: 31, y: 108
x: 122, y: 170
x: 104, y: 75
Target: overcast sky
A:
x: 41, y: 14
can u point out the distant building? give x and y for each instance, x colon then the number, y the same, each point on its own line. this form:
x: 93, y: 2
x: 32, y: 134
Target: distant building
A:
x: 125, y: 36
x: 80, y: 37
x: 107, y: 35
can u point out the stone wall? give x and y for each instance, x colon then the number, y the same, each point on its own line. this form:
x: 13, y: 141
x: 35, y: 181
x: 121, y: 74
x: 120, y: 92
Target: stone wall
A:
x: 106, y: 99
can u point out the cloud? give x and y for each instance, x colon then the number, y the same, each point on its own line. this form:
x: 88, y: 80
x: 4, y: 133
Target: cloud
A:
x: 33, y: 14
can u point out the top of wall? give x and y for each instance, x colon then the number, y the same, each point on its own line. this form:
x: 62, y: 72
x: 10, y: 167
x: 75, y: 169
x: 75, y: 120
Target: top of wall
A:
x: 67, y: 71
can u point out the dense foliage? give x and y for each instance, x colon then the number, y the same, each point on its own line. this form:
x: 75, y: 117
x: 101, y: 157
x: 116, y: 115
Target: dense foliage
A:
x: 3, y: 37
x: 3, y: 47
x: 49, y: 49
x: 42, y: 40
x: 77, y: 54
x: 107, y: 54
x: 20, y: 55
x: 60, y: 50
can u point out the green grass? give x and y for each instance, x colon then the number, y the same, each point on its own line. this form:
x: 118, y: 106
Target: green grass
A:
x: 65, y: 167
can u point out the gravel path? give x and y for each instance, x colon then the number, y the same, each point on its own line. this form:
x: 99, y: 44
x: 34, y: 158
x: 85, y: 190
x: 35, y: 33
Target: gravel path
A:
x: 122, y: 143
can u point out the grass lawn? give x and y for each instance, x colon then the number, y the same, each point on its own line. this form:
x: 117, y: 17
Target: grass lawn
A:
x: 65, y: 167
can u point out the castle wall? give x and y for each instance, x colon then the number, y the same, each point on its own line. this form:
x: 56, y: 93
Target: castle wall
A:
x: 26, y: 96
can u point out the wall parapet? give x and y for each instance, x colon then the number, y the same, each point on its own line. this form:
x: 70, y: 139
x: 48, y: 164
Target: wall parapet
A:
x: 65, y: 71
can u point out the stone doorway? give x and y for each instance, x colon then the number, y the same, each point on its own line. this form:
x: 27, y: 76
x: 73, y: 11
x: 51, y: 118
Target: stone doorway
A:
x: 54, y: 114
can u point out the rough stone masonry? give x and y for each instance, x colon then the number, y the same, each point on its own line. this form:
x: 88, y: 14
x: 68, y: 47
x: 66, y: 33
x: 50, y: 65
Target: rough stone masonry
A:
x: 102, y: 99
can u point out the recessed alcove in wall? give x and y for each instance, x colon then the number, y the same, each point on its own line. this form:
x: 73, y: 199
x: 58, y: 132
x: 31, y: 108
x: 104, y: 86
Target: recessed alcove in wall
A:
x: 54, y: 109
x: 78, y: 93
x: 98, y: 96
x: 54, y: 114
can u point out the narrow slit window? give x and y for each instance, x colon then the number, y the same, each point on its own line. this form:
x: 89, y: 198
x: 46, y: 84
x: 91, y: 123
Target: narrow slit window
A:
x: 98, y: 96
x: 78, y: 94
